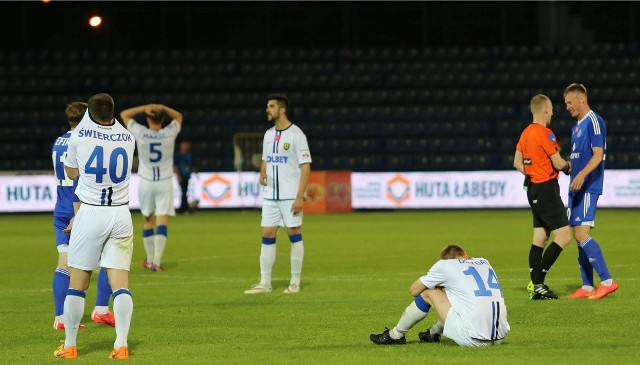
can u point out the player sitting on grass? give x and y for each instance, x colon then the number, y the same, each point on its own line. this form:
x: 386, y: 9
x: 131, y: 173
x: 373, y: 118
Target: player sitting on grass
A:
x: 467, y: 298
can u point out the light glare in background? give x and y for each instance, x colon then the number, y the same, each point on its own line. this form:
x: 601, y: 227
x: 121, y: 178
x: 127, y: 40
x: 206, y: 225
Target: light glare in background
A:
x: 95, y: 21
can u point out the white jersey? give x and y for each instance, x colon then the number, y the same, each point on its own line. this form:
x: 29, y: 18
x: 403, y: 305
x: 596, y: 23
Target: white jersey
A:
x: 103, y: 154
x: 284, y: 151
x: 474, y: 292
x: 155, y: 149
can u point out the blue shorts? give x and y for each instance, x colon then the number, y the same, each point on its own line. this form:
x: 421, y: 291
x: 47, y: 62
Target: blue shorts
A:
x: 582, y: 209
x: 59, y: 224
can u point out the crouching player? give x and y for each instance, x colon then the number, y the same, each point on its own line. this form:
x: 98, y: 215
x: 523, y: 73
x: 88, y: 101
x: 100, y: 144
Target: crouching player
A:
x: 467, y: 298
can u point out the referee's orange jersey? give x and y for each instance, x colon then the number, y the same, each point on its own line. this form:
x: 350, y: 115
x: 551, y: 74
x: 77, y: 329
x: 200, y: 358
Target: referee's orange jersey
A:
x: 536, y: 144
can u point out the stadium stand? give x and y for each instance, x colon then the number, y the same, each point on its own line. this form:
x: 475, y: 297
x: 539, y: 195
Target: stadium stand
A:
x: 438, y: 109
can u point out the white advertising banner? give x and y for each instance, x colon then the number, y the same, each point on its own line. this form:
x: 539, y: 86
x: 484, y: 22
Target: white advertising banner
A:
x: 37, y: 193
x: 481, y: 189
x: 393, y: 190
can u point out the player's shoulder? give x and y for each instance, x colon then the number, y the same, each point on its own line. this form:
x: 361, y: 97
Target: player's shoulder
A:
x: 600, y: 120
x: 594, y: 117
x: 295, y: 128
x: 174, y: 124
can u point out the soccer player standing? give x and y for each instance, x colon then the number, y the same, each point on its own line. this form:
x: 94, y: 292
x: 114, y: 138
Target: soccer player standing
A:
x: 99, y: 155
x: 156, y: 145
x: 63, y: 213
x: 470, y: 310
x: 537, y: 156
x: 588, y: 152
x: 284, y: 173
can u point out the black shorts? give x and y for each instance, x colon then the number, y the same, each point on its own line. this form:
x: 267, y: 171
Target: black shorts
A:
x: 547, y: 206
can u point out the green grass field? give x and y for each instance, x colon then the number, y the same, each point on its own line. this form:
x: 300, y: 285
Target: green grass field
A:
x: 355, y: 280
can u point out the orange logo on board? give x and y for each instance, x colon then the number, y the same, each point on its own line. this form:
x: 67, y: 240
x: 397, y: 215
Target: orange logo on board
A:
x: 216, y: 189
x: 398, y: 189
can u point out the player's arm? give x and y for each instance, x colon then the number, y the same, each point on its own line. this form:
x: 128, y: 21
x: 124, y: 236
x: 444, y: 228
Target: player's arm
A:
x: 560, y: 164
x: 72, y: 172
x: 518, y: 162
x: 417, y: 287
x: 171, y: 113
x: 128, y: 114
x: 305, y: 171
x: 76, y: 207
x: 263, y: 173
x: 594, y: 162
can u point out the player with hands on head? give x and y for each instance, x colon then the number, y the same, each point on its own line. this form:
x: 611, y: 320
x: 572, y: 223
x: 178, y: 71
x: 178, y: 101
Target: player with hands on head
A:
x: 156, y: 146
x: 538, y: 157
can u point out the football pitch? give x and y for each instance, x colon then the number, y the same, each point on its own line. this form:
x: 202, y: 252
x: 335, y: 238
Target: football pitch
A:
x: 355, y: 280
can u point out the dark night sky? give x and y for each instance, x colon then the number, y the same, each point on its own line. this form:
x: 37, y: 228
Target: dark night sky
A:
x: 296, y: 24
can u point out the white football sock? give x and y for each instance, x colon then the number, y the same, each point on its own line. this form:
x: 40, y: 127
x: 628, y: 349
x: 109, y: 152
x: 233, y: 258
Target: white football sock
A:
x: 267, y: 259
x: 160, y: 243
x: 102, y: 309
x: 412, y: 315
x: 437, y: 328
x: 297, y: 254
x: 73, y: 312
x: 149, y: 247
x: 122, y: 311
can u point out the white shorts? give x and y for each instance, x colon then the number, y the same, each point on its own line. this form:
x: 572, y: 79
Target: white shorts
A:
x: 456, y: 329
x: 156, y: 197
x: 101, y: 236
x: 277, y: 213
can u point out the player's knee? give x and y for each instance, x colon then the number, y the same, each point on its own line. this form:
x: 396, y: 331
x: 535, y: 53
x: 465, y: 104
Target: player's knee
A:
x: 562, y: 236
x: 580, y: 235
x: 270, y: 232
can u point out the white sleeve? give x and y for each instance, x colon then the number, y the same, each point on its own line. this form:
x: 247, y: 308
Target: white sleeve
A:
x: 435, y: 277
x: 134, y: 127
x: 173, y: 128
x: 71, y: 160
x: 302, y: 153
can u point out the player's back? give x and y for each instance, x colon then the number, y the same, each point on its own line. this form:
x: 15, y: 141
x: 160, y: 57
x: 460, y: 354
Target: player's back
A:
x: 103, y: 154
x: 536, y: 144
x: 474, y: 291
x: 155, y: 149
x: 65, y: 187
